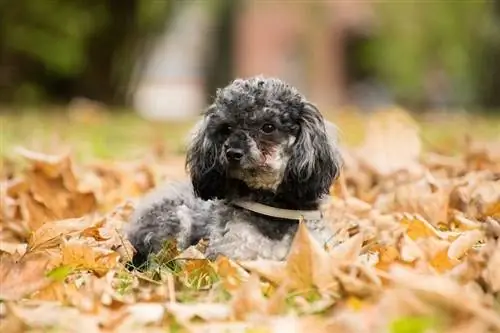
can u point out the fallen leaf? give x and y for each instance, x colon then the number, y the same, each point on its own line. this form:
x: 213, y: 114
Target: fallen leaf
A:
x: 206, y: 311
x: 459, y: 247
x: 248, y: 301
x: 308, y: 265
x: 272, y: 271
x: 446, y: 292
x: 78, y: 255
x: 348, y: 250
x: 49, y: 315
x: 392, y: 144
x: 51, y: 234
x: 230, y: 273
x: 492, y: 272
x: 442, y: 262
x: 19, y: 279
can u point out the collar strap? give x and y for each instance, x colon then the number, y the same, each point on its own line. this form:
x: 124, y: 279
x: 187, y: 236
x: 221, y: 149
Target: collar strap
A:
x: 289, y: 214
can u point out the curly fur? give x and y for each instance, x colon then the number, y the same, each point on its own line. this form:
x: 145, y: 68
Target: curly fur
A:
x: 287, y: 159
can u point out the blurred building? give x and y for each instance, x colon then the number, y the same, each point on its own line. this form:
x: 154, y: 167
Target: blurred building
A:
x: 305, y: 43
x: 436, y: 55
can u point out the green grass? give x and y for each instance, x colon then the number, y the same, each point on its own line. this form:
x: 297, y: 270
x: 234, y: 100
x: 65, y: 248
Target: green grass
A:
x: 121, y: 135
x: 126, y: 136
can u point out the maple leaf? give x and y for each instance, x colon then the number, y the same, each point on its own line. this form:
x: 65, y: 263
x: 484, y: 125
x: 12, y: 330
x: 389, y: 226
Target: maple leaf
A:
x: 51, y: 234
x: 308, y: 265
x: 21, y: 278
x: 79, y: 255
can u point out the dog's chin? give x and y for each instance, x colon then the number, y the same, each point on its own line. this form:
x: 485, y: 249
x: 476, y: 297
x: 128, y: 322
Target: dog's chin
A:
x: 258, y: 177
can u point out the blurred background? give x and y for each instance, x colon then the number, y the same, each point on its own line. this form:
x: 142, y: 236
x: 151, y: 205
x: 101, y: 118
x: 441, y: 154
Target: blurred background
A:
x: 165, y: 57
x: 162, y: 60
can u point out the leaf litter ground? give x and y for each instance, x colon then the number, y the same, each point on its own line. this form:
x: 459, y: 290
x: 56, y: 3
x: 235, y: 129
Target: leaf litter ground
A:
x: 416, y: 247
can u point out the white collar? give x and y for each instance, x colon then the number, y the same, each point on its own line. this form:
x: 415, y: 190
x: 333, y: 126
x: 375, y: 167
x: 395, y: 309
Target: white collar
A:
x: 289, y: 214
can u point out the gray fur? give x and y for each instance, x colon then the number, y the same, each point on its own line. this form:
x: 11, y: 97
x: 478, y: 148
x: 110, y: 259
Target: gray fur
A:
x: 291, y: 167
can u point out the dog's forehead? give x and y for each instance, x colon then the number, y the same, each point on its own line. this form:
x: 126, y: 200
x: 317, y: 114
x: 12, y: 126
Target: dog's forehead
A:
x: 255, y: 100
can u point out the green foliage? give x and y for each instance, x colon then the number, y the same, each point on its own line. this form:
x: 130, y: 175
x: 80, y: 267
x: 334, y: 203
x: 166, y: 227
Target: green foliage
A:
x: 89, y: 46
x: 60, y: 273
x: 413, y: 38
x: 52, y: 32
x: 415, y: 324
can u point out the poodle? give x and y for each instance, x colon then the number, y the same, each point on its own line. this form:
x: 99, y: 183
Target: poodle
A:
x: 260, y: 160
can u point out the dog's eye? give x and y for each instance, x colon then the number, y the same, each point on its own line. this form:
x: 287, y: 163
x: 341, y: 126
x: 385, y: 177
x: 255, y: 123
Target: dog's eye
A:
x: 225, y: 129
x: 268, y: 128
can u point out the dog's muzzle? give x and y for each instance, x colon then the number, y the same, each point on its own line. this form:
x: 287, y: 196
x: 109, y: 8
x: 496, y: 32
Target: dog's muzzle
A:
x: 234, y: 154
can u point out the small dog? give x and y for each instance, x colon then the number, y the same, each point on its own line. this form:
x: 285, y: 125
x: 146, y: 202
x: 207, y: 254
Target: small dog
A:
x: 259, y: 161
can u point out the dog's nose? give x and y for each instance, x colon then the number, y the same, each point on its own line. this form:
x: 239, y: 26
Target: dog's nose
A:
x: 234, y: 154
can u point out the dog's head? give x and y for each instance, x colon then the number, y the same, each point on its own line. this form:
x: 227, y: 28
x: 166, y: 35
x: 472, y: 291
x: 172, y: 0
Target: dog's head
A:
x: 263, y: 132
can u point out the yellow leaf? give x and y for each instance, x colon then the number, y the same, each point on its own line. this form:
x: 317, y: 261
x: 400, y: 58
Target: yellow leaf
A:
x: 231, y: 275
x: 77, y: 254
x: 419, y: 228
x: 387, y: 256
x: 354, y: 303
x: 442, y: 262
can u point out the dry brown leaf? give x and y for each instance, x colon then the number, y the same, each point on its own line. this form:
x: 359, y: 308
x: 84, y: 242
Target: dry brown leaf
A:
x: 425, y: 198
x: 10, y: 322
x: 446, y: 292
x: 417, y: 227
x: 442, y: 262
x: 248, y: 301
x: 33, y: 212
x: 492, y: 272
x: 15, y: 249
x: 53, y: 191
x: 79, y: 255
x: 409, y: 250
x: 206, y: 311
x: 348, y: 250
x: 197, y: 272
x: 479, y: 197
x: 272, y: 271
x: 21, y: 278
x: 308, y: 265
x: 230, y: 273
x: 51, y: 234
x: 388, y: 255
x: 146, y: 313
x: 392, y: 144
x: 49, y: 315
x: 50, y: 165
x: 459, y: 247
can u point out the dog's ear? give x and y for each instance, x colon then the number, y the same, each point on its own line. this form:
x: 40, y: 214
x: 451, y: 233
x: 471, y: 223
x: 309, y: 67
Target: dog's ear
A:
x: 202, y: 161
x: 315, y: 160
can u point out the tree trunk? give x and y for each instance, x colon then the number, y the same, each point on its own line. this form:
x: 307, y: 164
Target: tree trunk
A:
x: 102, y: 79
